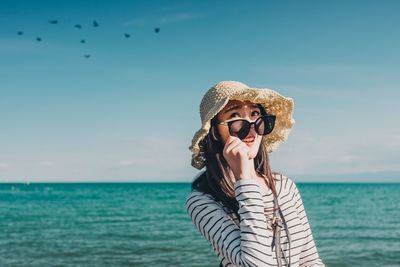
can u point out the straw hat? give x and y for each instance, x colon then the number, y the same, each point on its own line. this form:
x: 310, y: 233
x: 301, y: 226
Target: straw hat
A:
x: 218, y: 96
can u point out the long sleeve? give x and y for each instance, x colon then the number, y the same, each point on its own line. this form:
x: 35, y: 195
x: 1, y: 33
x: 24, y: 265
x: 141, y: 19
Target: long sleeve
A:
x: 309, y: 256
x: 245, y: 245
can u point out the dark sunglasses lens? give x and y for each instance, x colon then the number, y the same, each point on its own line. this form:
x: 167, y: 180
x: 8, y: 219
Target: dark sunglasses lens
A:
x: 239, y: 128
x: 265, y: 124
x: 260, y: 126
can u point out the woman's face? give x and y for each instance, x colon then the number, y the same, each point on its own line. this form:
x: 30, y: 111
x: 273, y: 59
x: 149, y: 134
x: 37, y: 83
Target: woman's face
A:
x: 245, y: 110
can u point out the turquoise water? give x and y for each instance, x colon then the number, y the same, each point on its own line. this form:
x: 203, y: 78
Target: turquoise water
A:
x: 132, y: 224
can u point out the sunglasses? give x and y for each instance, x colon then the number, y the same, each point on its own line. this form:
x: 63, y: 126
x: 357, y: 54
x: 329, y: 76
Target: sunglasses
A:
x: 241, y: 127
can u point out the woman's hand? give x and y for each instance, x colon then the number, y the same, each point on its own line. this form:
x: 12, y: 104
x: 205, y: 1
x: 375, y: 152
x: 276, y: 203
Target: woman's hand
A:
x: 236, y: 154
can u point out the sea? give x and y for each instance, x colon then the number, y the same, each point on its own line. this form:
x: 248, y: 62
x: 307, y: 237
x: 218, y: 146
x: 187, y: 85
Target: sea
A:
x: 146, y: 224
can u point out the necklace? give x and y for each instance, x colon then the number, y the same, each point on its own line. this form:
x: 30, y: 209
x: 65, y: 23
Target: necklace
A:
x: 277, y: 222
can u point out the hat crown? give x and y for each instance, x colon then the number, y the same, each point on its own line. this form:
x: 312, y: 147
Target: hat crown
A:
x: 219, y: 92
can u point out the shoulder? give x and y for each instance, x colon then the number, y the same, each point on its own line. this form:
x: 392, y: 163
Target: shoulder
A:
x: 201, y: 206
x: 284, y: 183
x: 197, y: 195
x: 196, y: 198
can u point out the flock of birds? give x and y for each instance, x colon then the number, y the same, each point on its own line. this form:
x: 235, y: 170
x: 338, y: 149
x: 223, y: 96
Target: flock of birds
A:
x: 79, y: 26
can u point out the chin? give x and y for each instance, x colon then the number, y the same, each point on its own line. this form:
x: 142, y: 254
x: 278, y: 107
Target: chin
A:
x: 254, y: 151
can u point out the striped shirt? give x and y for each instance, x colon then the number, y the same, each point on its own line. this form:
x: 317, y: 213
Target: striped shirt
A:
x: 248, y: 242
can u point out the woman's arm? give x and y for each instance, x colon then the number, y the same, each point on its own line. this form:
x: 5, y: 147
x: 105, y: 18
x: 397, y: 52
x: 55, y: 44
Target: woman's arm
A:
x: 309, y: 255
x: 247, y: 245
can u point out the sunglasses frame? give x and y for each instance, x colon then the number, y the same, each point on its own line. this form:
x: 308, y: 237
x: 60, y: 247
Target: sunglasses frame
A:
x: 229, y: 123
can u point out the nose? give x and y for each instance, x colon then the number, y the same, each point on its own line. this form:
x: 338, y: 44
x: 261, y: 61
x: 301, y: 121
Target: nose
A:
x: 252, y: 129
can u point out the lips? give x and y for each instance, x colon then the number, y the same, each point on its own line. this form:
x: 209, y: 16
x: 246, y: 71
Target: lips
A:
x: 249, y: 139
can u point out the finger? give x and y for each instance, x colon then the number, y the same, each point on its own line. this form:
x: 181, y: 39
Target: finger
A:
x: 231, y: 139
x: 231, y: 143
x: 236, y: 147
x: 241, y: 149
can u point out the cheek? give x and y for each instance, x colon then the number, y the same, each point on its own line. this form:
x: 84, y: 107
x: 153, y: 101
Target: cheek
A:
x: 256, y: 146
x: 223, y: 133
x: 257, y: 143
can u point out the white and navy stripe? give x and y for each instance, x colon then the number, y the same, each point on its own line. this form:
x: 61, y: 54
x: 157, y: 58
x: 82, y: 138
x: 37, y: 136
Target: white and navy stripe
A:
x: 248, y: 242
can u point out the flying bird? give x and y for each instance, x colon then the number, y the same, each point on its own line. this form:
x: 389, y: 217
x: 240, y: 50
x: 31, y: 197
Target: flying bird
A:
x: 127, y: 35
x: 86, y: 56
x: 83, y: 41
x: 78, y: 26
x: 157, y: 29
x: 38, y: 39
x: 20, y: 33
x: 53, y: 21
x: 95, y: 24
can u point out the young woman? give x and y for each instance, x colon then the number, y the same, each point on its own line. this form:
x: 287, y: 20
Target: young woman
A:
x: 250, y: 215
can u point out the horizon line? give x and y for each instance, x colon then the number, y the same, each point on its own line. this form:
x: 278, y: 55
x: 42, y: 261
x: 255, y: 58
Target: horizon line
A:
x: 178, y: 182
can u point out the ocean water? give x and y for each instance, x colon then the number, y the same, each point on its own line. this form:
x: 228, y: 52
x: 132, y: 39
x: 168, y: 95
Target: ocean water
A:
x: 139, y: 224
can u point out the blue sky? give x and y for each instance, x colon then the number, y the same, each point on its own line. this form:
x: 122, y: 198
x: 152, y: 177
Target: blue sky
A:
x: 128, y: 113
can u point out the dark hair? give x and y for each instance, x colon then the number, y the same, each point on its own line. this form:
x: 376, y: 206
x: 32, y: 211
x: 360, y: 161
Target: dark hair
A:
x: 216, y: 180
